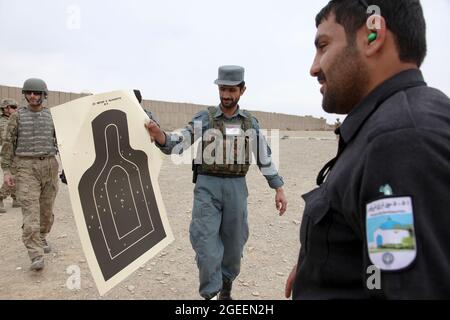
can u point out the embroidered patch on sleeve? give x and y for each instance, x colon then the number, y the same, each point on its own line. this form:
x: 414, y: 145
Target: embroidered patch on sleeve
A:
x: 390, y: 233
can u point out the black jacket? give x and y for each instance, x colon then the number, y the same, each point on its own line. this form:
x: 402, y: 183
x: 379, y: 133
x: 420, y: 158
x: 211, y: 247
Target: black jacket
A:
x: 398, y: 136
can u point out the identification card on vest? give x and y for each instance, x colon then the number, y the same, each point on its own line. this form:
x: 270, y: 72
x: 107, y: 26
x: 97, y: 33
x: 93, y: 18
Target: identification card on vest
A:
x: 233, y: 130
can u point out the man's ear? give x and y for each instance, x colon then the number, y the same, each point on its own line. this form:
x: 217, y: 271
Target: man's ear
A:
x: 375, y: 37
x: 243, y: 90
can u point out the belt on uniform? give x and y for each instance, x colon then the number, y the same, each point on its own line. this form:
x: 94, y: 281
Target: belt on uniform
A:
x: 221, y: 175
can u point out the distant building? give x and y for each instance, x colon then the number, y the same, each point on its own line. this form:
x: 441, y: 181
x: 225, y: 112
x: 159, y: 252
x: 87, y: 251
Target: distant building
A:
x: 391, y: 233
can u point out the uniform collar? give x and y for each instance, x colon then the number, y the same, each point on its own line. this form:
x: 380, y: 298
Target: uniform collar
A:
x: 368, y: 105
x: 219, y: 112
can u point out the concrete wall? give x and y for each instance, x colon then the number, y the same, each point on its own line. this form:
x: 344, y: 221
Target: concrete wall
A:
x: 54, y: 98
x: 175, y: 115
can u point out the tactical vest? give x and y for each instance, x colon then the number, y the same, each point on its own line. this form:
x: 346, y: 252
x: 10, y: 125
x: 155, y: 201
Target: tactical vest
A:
x: 239, y: 153
x: 35, y: 134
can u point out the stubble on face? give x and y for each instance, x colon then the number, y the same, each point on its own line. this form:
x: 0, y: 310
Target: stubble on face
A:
x: 346, y: 82
x: 229, y: 103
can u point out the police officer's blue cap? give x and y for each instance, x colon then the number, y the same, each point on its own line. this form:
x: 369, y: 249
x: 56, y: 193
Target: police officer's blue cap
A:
x: 230, y: 76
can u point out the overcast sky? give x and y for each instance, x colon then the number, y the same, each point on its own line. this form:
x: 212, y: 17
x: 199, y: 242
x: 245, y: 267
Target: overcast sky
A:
x: 171, y: 49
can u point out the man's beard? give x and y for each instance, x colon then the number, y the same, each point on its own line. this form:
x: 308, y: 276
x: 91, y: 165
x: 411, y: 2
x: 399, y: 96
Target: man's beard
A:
x: 346, y: 83
x: 229, y: 104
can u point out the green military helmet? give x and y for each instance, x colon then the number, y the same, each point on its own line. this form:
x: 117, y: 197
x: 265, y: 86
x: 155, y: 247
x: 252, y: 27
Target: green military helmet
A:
x: 8, y: 102
x: 36, y: 85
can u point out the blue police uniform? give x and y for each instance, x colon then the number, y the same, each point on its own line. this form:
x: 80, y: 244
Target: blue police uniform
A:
x: 219, y: 227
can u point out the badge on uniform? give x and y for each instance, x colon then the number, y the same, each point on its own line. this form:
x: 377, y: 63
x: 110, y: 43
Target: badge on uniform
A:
x: 390, y: 233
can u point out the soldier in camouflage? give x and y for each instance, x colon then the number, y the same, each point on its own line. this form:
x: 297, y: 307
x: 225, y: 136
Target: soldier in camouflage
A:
x: 219, y: 226
x: 8, y: 107
x: 31, y: 144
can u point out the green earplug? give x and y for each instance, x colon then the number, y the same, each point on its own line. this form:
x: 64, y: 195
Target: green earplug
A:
x: 372, y: 37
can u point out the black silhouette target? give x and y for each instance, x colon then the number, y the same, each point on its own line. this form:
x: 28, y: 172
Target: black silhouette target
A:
x: 117, y: 197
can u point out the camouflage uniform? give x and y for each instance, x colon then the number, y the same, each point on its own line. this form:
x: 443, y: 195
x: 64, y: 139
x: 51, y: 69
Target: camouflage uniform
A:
x: 30, y: 142
x: 5, y: 190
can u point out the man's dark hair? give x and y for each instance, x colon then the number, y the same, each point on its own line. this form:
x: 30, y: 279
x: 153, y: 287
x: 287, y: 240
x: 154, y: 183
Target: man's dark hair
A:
x: 241, y: 85
x: 404, y: 18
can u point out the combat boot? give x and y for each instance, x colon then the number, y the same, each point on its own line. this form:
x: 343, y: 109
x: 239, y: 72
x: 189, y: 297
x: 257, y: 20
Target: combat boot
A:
x: 225, y: 293
x: 214, y: 296
x: 2, y: 207
x: 37, y: 263
x: 46, y: 246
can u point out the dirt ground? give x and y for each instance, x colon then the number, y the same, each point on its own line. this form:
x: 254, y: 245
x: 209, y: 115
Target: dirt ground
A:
x: 269, y: 255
